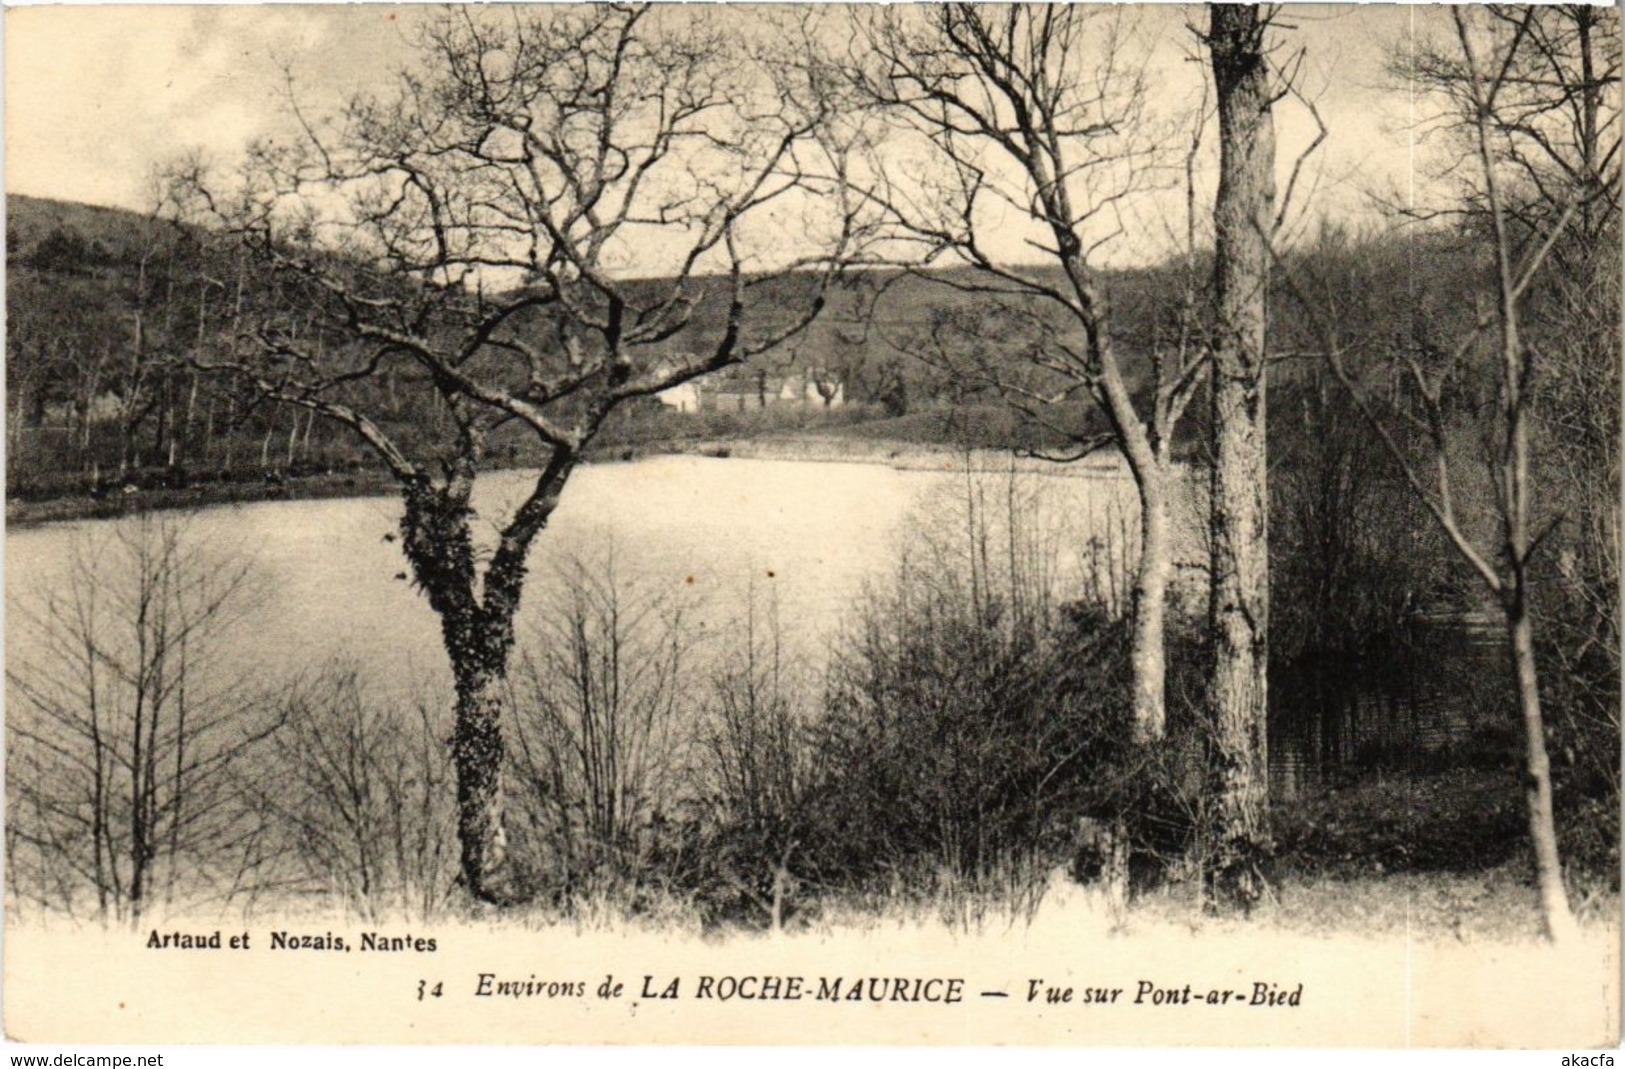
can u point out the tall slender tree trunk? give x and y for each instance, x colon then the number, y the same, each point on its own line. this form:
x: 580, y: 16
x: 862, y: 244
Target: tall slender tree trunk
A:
x: 1554, y: 899
x: 293, y: 438
x: 1148, y: 650
x: 22, y: 398
x: 162, y: 439
x: 1149, y: 462
x: 191, y: 416
x: 1239, y: 591
x: 127, y: 456
x: 208, y: 431
x: 231, y: 434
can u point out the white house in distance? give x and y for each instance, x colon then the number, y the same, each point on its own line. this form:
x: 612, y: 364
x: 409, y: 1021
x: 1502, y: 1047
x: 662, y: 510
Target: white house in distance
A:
x: 742, y: 390
x: 684, y: 397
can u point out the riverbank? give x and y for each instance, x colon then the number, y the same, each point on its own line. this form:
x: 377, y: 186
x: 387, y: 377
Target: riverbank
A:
x: 902, y: 455
x: 130, y: 499
x: 822, y: 448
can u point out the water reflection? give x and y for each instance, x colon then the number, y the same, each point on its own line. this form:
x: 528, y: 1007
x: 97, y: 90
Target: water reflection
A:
x: 707, y: 532
x: 1436, y: 693
x: 713, y: 534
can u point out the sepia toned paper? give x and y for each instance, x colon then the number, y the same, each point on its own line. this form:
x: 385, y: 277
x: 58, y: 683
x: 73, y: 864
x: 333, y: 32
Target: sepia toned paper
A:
x: 98, y: 97
x: 1353, y: 992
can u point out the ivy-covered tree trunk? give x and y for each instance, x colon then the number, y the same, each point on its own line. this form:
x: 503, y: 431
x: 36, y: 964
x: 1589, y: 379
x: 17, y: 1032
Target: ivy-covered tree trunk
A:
x: 438, y: 543
x: 477, y: 626
x: 1239, y: 591
x: 479, y: 756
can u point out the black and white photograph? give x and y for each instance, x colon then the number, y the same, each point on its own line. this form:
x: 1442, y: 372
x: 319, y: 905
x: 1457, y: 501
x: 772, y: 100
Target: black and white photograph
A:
x: 802, y: 524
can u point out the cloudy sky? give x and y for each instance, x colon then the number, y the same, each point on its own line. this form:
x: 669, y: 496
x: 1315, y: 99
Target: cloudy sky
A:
x: 98, y: 97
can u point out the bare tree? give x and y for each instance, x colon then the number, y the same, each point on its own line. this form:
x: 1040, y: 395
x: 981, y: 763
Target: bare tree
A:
x: 1040, y: 110
x: 752, y: 745
x: 828, y: 382
x: 1557, y: 129
x: 360, y: 798
x: 124, y: 733
x: 1527, y: 94
x: 756, y: 763
x: 599, y: 722
x: 1554, y: 125
x: 477, y: 235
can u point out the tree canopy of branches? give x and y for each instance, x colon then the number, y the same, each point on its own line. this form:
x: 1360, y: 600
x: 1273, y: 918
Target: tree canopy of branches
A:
x: 128, y: 746
x: 1040, y: 113
x: 558, y: 211
x: 1529, y: 97
x: 1553, y: 130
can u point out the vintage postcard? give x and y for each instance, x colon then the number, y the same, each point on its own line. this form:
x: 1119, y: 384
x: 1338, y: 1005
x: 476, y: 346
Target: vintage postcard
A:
x: 813, y: 524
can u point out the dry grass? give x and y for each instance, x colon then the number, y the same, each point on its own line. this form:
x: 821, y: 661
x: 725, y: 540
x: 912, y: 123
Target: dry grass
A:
x: 1369, y: 975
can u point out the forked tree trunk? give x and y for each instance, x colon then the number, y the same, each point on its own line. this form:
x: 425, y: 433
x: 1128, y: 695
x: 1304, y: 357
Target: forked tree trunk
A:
x: 1149, y: 462
x: 1239, y: 591
x: 478, y: 632
x: 436, y: 537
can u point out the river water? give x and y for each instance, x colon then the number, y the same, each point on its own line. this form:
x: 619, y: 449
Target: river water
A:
x: 706, y: 533
x: 710, y: 536
x: 1439, y: 692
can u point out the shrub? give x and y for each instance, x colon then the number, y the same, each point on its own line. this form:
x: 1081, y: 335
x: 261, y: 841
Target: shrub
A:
x: 970, y: 717
x: 756, y: 761
x: 125, y: 729
x: 599, y: 728
x: 363, y: 798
